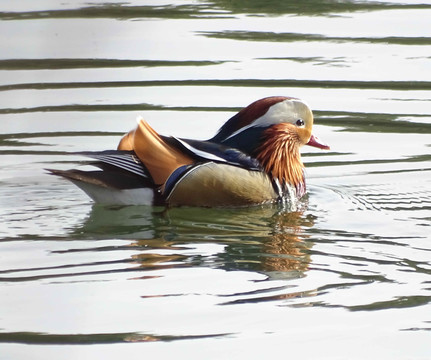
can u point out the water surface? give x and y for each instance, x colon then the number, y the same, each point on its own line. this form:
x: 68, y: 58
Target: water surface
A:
x: 345, y: 276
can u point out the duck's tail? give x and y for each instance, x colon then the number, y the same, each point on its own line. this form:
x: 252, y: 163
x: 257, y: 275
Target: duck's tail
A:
x: 112, y: 186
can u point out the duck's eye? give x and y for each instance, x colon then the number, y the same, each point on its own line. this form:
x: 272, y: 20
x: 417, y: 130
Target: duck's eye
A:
x: 300, y: 122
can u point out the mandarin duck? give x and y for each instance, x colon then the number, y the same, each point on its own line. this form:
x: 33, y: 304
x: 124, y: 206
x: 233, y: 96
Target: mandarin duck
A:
x: 253, y: 159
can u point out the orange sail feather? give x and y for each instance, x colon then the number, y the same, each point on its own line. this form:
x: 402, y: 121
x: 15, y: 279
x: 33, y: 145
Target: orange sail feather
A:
x: 159, y: 158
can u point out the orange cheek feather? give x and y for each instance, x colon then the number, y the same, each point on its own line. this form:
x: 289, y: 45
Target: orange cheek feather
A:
x: 279, y: 154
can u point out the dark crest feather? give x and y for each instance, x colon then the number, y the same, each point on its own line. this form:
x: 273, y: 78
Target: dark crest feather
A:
x: 246, y: 116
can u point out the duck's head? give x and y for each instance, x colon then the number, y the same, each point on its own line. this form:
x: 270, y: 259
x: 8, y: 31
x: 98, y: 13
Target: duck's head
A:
x: 273, y: 130
x: 246, y: 130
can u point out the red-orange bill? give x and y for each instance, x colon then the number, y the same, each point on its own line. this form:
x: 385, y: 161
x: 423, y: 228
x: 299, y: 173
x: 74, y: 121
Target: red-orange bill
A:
x: 316, y: 142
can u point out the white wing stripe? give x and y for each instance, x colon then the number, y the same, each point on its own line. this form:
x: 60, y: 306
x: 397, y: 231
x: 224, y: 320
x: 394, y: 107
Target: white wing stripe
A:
x: 126, y: 162
x: 203, y: 154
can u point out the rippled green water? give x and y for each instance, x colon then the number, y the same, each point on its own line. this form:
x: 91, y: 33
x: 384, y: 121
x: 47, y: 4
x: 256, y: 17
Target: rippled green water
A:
x: 345, y: 277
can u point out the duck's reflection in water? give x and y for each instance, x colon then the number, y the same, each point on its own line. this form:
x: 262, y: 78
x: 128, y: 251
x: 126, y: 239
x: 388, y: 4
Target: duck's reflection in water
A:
x: 267, y: 239
x: 286, y: 249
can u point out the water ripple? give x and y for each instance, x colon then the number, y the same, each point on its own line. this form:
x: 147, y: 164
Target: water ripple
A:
x: 385, y: 197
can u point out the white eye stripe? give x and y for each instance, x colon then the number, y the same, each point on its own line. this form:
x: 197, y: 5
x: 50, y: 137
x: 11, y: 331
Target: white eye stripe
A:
x: 287, y: 111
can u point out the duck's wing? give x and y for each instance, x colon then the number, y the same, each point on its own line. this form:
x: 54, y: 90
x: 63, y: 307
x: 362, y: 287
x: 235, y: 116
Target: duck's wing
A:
x: 162, y: 155
x: 210, y: 151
